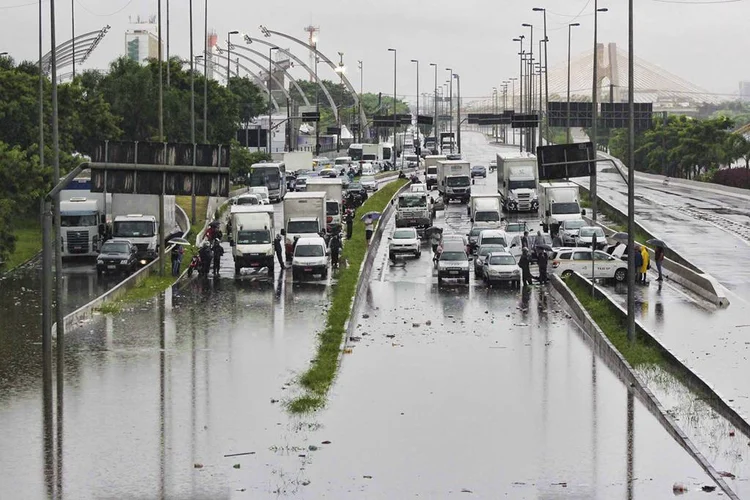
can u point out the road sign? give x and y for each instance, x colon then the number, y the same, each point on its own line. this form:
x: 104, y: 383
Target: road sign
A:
x: 616, y: 115
x: 473, y: 118
x: 354, y: 127
x: 312, y: 116
x: 160, y: 168
x: 581, y: 114
x: 563, y: 161
x: 333, y: 130
x: 387, y: 120
x: 525, y: 121
x: 252, y: 138
x: 424, y: 120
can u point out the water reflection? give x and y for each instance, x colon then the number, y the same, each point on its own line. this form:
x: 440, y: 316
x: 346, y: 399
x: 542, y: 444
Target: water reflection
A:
x: 630, y: 440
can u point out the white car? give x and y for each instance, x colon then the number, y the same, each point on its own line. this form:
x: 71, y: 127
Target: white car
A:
x: 310, y: 257
x: 569, y: 231
x: 248, y: 199
x: 404, y: 240
x: 453, y: 262
x: 261, y: 192
x: 501, y: 267
x: 368, y: 169
x: 492, y: 237
x: 515, y: 229
x: 482, y: 254
x: 566, y: 260
x: 586, y: 236
x: 369, y: 183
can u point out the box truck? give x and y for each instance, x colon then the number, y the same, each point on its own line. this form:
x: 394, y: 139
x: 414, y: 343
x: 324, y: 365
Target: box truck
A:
x: 334, y: 190
x: 454, y: 180
x: 304, y: 215
x: 136, y: 218
x: 517, y: 181
x: 252, y: 237
x: 558, y: 201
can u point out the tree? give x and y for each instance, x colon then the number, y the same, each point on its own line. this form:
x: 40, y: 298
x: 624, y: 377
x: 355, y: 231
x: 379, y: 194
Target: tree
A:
x: 241, y: 159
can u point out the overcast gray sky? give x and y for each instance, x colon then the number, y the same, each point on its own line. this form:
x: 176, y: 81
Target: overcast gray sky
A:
x: 704, y: 44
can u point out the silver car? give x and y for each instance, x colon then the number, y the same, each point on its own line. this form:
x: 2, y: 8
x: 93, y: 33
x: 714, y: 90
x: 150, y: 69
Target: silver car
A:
x: 501, y: 267
x: 569, y: 231
x: 482, y: 254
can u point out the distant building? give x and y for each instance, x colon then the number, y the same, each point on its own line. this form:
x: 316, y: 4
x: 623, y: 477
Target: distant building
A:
x: 744, y: 91
x: 141, y: 44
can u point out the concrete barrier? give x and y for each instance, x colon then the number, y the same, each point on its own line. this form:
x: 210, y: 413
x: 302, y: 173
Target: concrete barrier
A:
x: 87, y: 311
x: 625, y: 372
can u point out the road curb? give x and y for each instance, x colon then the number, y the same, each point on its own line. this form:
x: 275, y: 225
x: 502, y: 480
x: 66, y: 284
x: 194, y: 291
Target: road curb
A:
x: 625, y: 372
x: 87, y: 311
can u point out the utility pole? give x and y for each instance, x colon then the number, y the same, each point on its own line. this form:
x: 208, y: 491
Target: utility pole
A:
x: 631, y: 179
x: 192, y: 106
x: 419, y: 146
x: 205, y: 75
x: 450, y: 105
x: 458, y: 112
x: 571, y: 25
x: 435, y: 111
x: 595, y: 108
x: 395, y: 144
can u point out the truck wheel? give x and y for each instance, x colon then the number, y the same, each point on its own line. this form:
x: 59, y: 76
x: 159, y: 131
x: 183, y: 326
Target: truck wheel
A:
x: 419, y: 253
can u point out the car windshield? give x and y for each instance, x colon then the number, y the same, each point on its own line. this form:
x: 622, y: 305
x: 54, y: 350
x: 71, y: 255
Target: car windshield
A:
x: 515, y: 228
x: 487, y: 217
x: 247, y: 200
x: 404, y: 234
x: 477, y: 167
x: 574, y: 224
x: 475, y: 232
x: 432, y: 170
x: 588, y: 232
x: 565, y: 208
x: 530, y: 184
x: 78, y: 220
x: 302, y: 227
x: 494, y: 240
x: 253, y: 237
x: 265, y: 177
x: 309, y: 251
x: 367, y: 178
x: 412, y: 201
x: 457, y: 181
x: 354, y: 186
x: 332, y: 208
x: 133, y: 229
x: 115, y: 248
x: 488, y: 249
x: 502, y: 260
x: 453, y: 256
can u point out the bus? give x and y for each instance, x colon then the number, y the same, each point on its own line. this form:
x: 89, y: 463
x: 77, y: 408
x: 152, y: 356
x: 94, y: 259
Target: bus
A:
x: 355, y: 152
x: 272, y: 176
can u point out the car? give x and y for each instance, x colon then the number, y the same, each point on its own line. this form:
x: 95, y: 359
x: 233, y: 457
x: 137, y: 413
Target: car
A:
x: 367, y: 169
x: 455, y: 238
x: 310, y: 258
x: 404, y: 240
x: 569, y: 231
x: 453, y: 262
x: 492, y: 236
x: 568, y: 259
x: 301, y: 184
x: 117, y: 256
x: 482, y: 253
x: 586, y: 235
x: 479, y: 171
x: 248, y: 199
x: 369, y: 182
x: 501, y: 267
x: 513, y: 229
x: 473, y: 236
x: 261, y: 192
x: 331, y: 173
x: 453, y: 156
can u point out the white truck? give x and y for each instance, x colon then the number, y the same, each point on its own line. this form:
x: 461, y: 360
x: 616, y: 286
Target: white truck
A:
x: 485, y: 211
x: 355, y: 151
x: 372, y: 152
x: 304, y: 216
x: 83, y: 218
x: 454, y: 180
x: 298, y: 160
x: 430, y: 168
x: 414, y: 210
x: 517, y: 181
x: 334, y: 190
x: 136, y: 218
x: 252, y: 237
x: 558, y: 201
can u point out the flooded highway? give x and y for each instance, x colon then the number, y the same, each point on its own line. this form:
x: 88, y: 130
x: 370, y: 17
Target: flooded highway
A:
x: 446, y: 391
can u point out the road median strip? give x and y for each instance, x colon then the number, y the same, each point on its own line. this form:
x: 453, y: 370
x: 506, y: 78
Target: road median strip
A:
x: 320, y: 375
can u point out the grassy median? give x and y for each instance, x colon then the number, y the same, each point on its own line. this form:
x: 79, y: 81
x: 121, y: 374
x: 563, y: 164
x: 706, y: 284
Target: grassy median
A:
x: 28, y: 233
x: 318, y: 378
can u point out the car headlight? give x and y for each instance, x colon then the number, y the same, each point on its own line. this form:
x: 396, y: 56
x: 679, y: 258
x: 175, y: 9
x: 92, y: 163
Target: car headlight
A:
x: 100, y: 261
x: 516, y: 271
x: 124, y: 262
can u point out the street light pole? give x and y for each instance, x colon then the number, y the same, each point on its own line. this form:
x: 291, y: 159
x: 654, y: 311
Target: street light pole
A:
x: 546, y: 69
x: 317, y: 106
x: 595, y: 107
x: 494, y: 111
x: 73, y: 33
x: 359, y: 113
x: 418, y: 143
x: 395, y: 144
x: 229, y: 54
x: 631, y: 179
x: 205, y: 75
x: 450, y: 106
x: 435, y: 124
x: 458, y: 111
x: 530, y: 94
x: 192, y: 104
x: 520, y: 86
x: 270, y: 102
x: 571, y: 25
x: 340, y: 71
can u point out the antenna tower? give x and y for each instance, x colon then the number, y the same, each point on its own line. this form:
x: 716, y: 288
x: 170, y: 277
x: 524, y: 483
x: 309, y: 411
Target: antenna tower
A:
x: 312, y: 39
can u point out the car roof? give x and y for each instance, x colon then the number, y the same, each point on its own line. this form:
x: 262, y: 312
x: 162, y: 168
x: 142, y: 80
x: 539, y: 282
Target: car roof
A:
x: 453, y: 246
x: 119, y: 240
x: 503, y: 253
x: 411, y: 229
x: 311, y: 240
x: 493, y: 232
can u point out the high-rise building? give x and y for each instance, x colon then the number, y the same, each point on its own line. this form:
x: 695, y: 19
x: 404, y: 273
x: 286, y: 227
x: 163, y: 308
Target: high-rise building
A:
x: 744, y: 91
x: 142, y: 44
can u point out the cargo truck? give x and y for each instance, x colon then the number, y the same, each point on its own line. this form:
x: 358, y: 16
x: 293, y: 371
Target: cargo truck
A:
x: 83, y: 218
x: 414, y: 210
x: 484, y: 210
x: 454, y: 180
x: 252, y: 237
x: 298, y: 160
x: 517, y: 181
x: 558, y: 202
x: 372, y: 152
x: 430, y: 168
x: 304, y: 216
x: 136, y: 218
x: 334, y: 190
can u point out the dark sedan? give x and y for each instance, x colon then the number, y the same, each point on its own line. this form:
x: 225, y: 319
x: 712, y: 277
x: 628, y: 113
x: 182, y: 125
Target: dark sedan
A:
x: 117, y: 256
x: 479, y: 171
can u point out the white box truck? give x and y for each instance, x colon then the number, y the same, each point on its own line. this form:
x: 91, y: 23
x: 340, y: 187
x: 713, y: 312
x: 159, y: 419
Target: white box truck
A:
x: 485, y: 210
x: 414, y: 210
x: 372, y: 152
x: 304, y: 215
x: 558, y: 201
x: 252, y: 237
x: 334, y: 190
x: 454, y: 180
x: 517, y: 181
x: 430, y: 168
x: 136, y: 218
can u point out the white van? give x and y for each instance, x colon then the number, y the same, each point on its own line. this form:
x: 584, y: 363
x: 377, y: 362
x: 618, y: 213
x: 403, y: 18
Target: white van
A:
x: 310, y: 258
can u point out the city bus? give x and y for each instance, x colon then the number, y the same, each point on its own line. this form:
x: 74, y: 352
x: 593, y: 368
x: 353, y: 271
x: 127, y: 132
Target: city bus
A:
x: 272, y: 176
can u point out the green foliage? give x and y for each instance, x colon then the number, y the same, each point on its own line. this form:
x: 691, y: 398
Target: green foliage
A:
x: 241, y: 160
x: 318, y: 378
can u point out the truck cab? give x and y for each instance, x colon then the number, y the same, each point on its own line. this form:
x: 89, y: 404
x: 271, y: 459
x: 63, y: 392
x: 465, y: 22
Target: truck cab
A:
x: 558, y: 202
x: 517, y: 181
x: 414, y: 210
x: 82, y: 221
x: 252, y: 237
x: 142, y: 230
x: 454, y: 180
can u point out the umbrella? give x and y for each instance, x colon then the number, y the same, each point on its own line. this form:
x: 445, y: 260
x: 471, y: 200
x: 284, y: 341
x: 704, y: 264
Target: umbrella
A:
x: 656, y: 242
x: 620, y: 237
x: 433, y: 229
x: 544, y: 246
x: 215, y: 223
x: 371, y: 215
x: 180, y: 241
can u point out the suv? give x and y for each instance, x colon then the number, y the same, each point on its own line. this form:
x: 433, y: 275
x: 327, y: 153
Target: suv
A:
x: 117, y: 256
x: 566, y: 260
x: 404, y: 240
x: 586, y: 236
x: 310, y: 257
x: 453, y: 262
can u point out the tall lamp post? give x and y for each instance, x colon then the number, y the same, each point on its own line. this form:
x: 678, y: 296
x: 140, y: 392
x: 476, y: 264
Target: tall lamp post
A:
x: 205, y: 74
x: 450, y: 105
x: 229, y: 53
x: 520, y: 87
x: 595, y: 106
x: 570, y: 26
x: 458, y: 110
x: 435, y: 125
x: 270, y: 103
x: 359, y: 114
x: 340, y: 70
x: 546, y: 67
x: 530, y: 87
x: 494, y: 111
x: 631, y: 179
x: 419, y: 145
x: 395, y: 144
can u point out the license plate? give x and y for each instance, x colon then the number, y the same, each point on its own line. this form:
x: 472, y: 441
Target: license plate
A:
x: 254, y: 264
x: 453, y: 272
x: 111, y: 266
x: 308, y: 269
x: 77, y: 248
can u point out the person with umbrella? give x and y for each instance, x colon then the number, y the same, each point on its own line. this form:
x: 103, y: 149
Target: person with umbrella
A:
x: 349, y: 219
x: 205, y: 258
x: 524, y: 263
x: 369, y: 219
x: 658, y: 255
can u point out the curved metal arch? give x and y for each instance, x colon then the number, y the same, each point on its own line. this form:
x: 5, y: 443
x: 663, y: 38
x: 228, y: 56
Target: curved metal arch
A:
x: 362, y: 117
x: 264, y: 68
x: 257, y: 78
x: 278, y: 66
x: 299, y: 61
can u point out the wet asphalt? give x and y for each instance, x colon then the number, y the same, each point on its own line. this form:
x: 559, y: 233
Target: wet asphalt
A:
x: 500, y: 395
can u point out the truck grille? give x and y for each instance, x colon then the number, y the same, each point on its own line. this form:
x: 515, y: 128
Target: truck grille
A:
x: 142, y: 247
x: 78, y: 241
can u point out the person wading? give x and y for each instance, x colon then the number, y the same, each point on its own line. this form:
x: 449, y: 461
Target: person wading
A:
x: 659, y: 259
x: 524, y: 263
